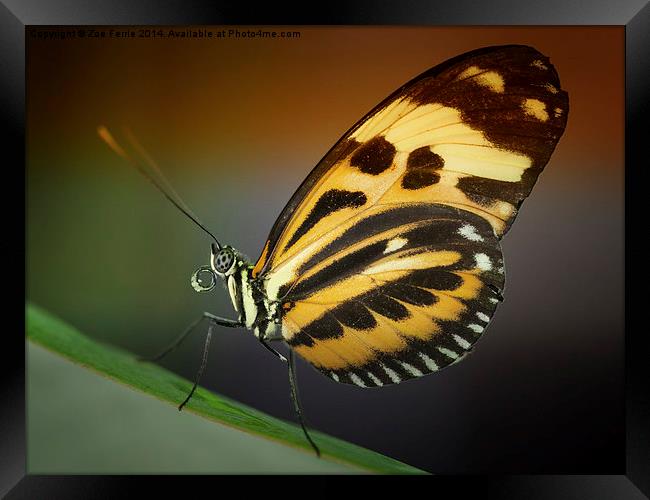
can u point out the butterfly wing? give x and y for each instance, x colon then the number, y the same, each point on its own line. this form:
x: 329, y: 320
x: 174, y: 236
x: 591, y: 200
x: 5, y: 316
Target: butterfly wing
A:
x: 399, y: 225
x: 403, y: 293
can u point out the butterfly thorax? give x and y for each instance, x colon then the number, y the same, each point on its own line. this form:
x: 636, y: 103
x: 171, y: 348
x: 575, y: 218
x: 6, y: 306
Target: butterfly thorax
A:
x: 255, y: 310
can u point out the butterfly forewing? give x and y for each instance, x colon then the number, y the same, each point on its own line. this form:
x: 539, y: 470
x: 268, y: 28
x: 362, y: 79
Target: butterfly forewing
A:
x: 386, y: 261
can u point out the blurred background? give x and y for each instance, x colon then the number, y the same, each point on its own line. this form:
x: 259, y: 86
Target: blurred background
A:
x: 237, y: 124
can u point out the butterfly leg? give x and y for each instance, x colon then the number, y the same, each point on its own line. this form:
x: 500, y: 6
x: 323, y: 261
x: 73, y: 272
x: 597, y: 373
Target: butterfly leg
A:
x: 206, y: 315
x: 265, y: 344
x: 266, y: 338
x: 204, y: 362
x: 214, y: 320
x: 296, y: 401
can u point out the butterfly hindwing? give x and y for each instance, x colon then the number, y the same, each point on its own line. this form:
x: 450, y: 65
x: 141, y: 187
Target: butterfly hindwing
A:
x: 386, y: 261
x: 399, y: 301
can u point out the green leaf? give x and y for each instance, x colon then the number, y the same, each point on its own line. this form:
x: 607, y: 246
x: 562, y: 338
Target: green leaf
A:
x: 59, y: 337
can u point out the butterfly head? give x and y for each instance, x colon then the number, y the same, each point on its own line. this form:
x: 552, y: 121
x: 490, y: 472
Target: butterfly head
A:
x: 223, y: 260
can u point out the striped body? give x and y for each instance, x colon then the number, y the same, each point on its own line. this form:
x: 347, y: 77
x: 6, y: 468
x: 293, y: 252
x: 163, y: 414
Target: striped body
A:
x: 386, y: 264
x: 255, y: 309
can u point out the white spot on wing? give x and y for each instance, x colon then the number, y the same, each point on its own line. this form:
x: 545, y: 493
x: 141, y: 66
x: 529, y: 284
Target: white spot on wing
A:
x: 475, y: 327
x: 395, y: 244
x: 430, y: 364
x: 494, y: 300
x: 462, y: 342
x: 483, y: 262
x: 334, y: 376
x: 483, y: 317
x: 357, y: 380
x: 411, y: 369
x: 391, y: 373
x: 448, y: 352
x: 374, y: 379
x: 468, y: 232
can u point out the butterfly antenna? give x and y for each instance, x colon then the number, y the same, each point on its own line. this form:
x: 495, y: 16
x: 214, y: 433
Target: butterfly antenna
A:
x: 156, y: 178
x: 154, y: 166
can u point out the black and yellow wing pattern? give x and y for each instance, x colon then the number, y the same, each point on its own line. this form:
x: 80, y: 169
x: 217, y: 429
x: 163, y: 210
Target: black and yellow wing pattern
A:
x: 386, y: 265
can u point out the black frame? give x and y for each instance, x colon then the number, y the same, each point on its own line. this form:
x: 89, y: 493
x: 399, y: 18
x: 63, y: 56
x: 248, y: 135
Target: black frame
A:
x: 633, y: 14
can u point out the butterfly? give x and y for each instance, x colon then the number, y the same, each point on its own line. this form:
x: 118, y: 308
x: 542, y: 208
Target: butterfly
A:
x: 386, y: 265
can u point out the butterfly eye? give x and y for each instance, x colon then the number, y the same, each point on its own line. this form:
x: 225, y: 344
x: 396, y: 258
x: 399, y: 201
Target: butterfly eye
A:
x: 223, y: 261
